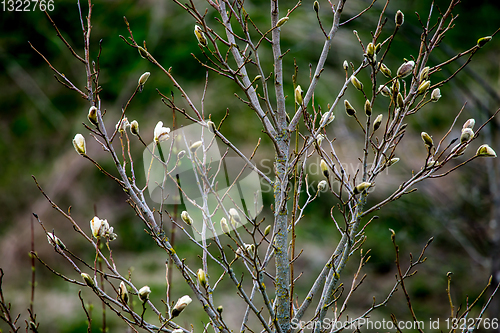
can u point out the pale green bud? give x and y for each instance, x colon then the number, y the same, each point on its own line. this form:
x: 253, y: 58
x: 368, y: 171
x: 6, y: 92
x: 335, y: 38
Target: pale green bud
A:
x: 181, y: 305
x: 399, y: 100
x: 195, y: 146
x: 482, y: 41
x: 377, y: 122
x: 385, y: 70
x: 424, y: 74
x: 281, y: 21
x: 142, y: 80
x: 356, y: 83
x: 361, y: 187
x: 186, y: 218
x: 298, y: 95
x: 88, y: 280
x: 224, y: 226
x: 368, y: 108
x: 324, y: 168
x: 267, y: 230
x: 54, y: 240
x: 349, y: 109
x: 427, y: 139
x: 235, y: 216
x: 485, y: 151
x: 422, y: 88
x: 393, y: 161
x: 345, y: 65
x: 200, y: 36
x: 202, y: 278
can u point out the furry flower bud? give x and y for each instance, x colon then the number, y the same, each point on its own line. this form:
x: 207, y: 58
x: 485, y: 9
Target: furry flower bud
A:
x: 224, y: 226
x: 361, y: 187
x: 384, y: 90
x: 466, y: 135
x: 181, y: 305
x: 422, y: 88
x: 424, y: 74
x: 79, y: 144
x: 368, y: 108
x: 267, y: 231
x: 322, y: 185
x: 281, y: 21
x: 202, y: 277
x: 469, y: 124
x: 356, y: 83
x: 142, y: 52
x: 194, y: 147
x: 485, y: 151
x: 235, y: 216
x: 370, y: 52
x: 324, y: 168
x: 392, y: 161
x: 144, y: 293
x: 298, y: 95
x: 186, y: 218
x: 345, y: 65
x: 377, y: 122
x: 316, y: 6
x: 435, y: 95
x: 482, y: 41
x: 200, y: 36
x: 330, y: 119
x: 88, y: 280
x: 92, y: 116
x: 385, y: 70
x: 405, y: 69
x: 161, y: 133
x: 142, y: 80
x: 427, y: 139
x: 134, y: 127
x: 399, y: 100
x: 349, y: 109
x: 400, y: 18
x: 123, y: 292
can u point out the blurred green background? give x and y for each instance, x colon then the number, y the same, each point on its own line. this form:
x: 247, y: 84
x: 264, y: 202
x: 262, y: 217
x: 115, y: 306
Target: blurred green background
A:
x: 39, y: 118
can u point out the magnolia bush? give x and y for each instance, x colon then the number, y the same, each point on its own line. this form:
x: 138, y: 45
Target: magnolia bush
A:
x: 218, y: 187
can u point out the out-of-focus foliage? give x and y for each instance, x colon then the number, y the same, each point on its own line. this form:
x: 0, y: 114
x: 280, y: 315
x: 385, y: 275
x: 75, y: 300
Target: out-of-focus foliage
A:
x: 39, y: 117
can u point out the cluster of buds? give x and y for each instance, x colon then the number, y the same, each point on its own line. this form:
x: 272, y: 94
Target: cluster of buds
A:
x: 246, y: 249
x: 101, y: 228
